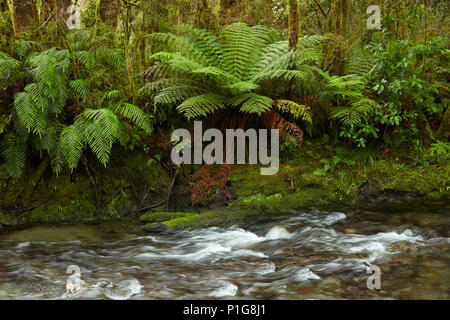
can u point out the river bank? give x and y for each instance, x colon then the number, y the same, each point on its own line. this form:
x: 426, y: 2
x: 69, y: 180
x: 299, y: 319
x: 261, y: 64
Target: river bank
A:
x: 314, y: 176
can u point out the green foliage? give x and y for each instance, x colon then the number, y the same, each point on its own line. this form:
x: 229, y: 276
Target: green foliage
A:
x: 9, y: 70
x: 407, y: 79
x: 48, y: 112
x: 203, y: 73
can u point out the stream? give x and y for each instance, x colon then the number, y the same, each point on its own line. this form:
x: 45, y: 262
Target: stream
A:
x: 309, y: 254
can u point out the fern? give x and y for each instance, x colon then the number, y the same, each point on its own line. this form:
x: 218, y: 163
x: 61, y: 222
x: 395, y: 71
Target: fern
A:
x: 9, y: 69
x: 71, y: 146
x: 202, y: 73
x: 14, y: 150
x: 136, y: 115
x: 80, y: 87
x: 44, y: 108
x: 25, y: 48
x: 107, y: 121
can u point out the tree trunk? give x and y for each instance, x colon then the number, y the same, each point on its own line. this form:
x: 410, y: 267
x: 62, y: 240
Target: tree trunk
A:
x: 444, y: 129
x: 294, y: 30
x: 338, y: 16
x: 109, y: 11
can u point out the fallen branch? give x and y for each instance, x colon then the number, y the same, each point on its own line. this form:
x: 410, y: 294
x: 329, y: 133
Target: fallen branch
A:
x: 147, y: 208
x: 27, y: 209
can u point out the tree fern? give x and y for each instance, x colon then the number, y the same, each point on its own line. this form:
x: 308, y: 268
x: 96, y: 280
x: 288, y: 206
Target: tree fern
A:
x: 202, y: 73
x: 44, y: 112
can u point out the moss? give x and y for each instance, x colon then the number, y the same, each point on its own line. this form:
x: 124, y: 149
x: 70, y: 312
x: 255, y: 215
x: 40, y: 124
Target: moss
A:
x: 295, y: 186
x: 76, y: 198
x: 164, y: 216
x: 183, y: 220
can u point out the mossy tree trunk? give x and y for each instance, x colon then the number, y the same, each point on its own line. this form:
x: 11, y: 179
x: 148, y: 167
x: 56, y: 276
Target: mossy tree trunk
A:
x: 338, y: 16
x: 444, y: 129
x: 109, y: 11
x: 294, y: 30
x: 12, y: 11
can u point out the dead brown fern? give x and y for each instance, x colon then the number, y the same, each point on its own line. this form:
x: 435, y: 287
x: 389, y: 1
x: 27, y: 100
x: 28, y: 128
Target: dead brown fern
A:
x: 207, y: 180
x: 273, y: 120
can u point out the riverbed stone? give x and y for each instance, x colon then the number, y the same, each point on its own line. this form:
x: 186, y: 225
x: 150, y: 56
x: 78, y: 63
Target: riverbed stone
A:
x: 157, y: 228
x: 401, y: 246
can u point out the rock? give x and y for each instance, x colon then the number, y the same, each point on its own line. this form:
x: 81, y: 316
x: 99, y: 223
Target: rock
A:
x: 404, y: 273
x: 401, y: 246
x: 156, y: 228
x: 330, y: 285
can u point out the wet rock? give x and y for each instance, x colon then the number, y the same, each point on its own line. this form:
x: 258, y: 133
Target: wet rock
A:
x: 157, y: 228
x: 374, y: 229
x: 401, y: 246
x: 330, y: 285
x: 404, y: 273
x: 305, y: 290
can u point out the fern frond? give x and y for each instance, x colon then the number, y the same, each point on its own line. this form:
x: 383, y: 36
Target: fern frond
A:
x: 14, y: 150
x: 106, y: 120
x: 26, y: 112
x: 8, y: 65
x: 252, y: 103
x: 202, y: 105
x: 111, y: 95
x: 26, y: 47
x: 71, y: 146
x: 136, y: 115
x: 92, y: 135
x: 356, y: 113
x: 241, y: 47
x: 86, y: 58
x: 296, y: 110
x: 175, y: 94
x: 80, y: 87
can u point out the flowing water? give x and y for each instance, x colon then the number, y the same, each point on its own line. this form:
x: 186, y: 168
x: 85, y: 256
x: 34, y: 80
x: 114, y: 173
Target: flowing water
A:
x: 315, y: 254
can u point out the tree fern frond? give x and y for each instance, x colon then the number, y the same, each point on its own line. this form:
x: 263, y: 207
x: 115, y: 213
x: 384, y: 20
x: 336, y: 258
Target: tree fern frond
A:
x: 14, y: 150
x: 106, y: 120
x: 241, y: 46
x: 202, y: 105
x: 298, y: 111
x: 26, y: 47
x: 71, y: 146
x: 252, y: 103
x: 136, y: 115
x: 175, y: 94
x: 86, y: 58
x: 80, y: 87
